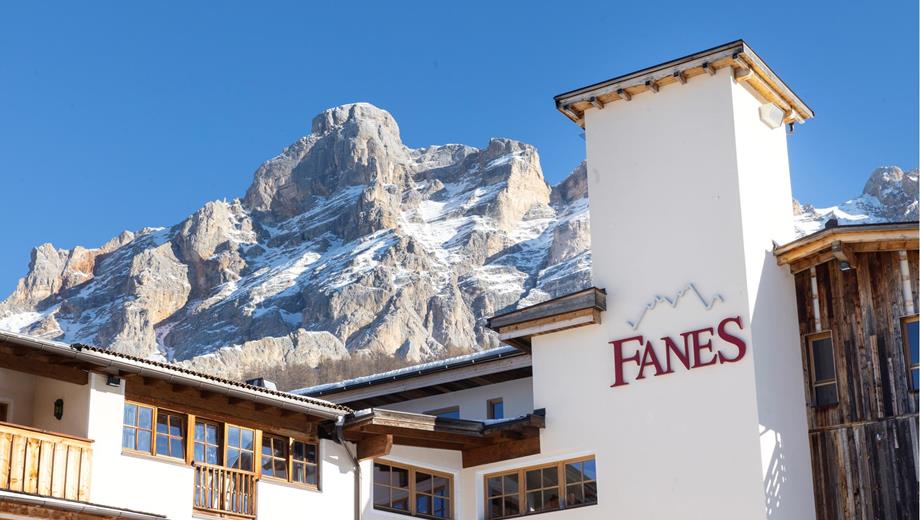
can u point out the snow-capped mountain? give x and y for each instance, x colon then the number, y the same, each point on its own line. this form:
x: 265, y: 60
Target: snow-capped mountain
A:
x: 348, y: 242
x: 890, y: 195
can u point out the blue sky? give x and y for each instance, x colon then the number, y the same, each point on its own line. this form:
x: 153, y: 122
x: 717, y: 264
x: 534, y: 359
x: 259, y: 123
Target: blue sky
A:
x: 120, y: 115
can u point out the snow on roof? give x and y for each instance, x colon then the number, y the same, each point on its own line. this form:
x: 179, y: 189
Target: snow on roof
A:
x: 400, y: 373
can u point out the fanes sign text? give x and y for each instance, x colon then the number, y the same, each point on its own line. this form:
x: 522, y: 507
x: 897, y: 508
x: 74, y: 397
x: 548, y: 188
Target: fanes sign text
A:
x: 696, y: 348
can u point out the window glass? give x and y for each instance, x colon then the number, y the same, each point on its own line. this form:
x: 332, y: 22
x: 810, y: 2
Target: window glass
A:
x: 496, y: 409
x: 528, y: 491
x: 274, y: 456
x: 824, y: 372
x: 137, y: 427
x: 429, y: 496
x: 912, y: 339
x: 304, y: 466
x: 207, y: 447
x: 504, y: 496
x: 449, y: 413
x: 170, y: 435
x: 240, y: 453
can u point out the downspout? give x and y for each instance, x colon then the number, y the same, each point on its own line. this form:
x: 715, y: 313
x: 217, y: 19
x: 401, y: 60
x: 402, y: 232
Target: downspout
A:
x: 340, y: 438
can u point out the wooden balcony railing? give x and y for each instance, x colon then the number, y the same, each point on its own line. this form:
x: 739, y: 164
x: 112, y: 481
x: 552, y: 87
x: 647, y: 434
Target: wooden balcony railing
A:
x: 44, y: 463
x: 224, y: 490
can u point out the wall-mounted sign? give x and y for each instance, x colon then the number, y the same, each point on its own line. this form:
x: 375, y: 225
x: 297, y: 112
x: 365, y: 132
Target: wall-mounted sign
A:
x: 695, y: 348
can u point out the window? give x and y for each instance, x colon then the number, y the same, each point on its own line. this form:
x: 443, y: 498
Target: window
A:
x: 504, y: 497
x: 304, y: 465
x: 170, y: 436
x: 580, y: 483
x: 450, y: 413
x: 137, y: 428
x: 274, y: 456
x: 823, y: 370
x: 4, y: 412
x: 412, y: 491
x: 495, y: 409
x: 240, y: 448
x: 207, y: 442
x: 910, y: 331
x: 538, y: 489
x: 542, y: 490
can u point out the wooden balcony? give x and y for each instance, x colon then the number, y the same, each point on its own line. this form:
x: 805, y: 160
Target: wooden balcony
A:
x: 225, y: 491
x: 45, y: 463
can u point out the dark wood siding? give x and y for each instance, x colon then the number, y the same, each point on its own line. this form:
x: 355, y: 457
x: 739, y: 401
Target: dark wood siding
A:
x: 864, y: 448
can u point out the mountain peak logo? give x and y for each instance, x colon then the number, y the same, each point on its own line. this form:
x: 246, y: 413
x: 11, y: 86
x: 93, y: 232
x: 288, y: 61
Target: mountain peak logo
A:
x: 673, y: 301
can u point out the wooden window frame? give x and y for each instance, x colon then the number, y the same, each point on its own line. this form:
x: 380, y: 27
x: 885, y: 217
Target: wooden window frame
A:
x: 439, y: 411
x: 490, y: 413
x: 451, y: 498
x: 184, y: 428
x: 219, y: 445
x: 189, y: 422
x: 809, y: 342
x: 288, y: 444
x: 905, y: 345
x: 306, y: 463
x: 256, y: 447
x: 522, y: 487
x: 153, y: 425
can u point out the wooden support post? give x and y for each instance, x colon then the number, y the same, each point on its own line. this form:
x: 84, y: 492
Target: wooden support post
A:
x: 815, y: 301
x: 906, y: 289
x: 375, y: 446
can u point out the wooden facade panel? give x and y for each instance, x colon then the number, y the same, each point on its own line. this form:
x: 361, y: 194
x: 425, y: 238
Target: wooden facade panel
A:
x: 867, y: 471
x: 864, y: 448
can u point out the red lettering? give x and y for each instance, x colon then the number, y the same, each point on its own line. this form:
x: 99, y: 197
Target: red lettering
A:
x: 734, y: 340
x: 649, y: 358
x: 618, y: 359
x: 670, y: 346
x: 699, y: 346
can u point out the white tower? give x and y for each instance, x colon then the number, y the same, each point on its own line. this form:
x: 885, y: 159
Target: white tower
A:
x: 689, y: 186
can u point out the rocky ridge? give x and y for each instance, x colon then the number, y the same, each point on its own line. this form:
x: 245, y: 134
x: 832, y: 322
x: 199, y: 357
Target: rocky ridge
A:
x: 348, y: 243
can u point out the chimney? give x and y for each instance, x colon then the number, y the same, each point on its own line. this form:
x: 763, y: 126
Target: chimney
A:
x: 688, y: 179
x: 262, y: 383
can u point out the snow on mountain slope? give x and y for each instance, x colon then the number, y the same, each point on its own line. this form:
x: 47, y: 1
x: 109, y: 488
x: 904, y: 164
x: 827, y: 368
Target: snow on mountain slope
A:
x: 890, y: 195
x: 348, y: 242
x: 348, y: 245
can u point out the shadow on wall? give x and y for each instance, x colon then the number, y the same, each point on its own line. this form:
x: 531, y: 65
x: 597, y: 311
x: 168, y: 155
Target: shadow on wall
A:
x: 785, y: 453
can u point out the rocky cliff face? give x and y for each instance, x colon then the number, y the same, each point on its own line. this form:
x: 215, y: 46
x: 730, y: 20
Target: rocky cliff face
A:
x: 890, y: 195
x: 347, y: 243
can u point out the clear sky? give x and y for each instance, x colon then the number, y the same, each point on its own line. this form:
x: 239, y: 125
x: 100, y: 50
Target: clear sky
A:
x: 119, y: 115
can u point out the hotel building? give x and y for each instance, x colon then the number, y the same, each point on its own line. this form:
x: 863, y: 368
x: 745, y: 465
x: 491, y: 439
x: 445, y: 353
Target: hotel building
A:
x: 717, y: 368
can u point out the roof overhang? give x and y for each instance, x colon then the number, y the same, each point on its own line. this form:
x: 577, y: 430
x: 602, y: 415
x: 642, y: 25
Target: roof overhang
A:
x: 746, y: 65
x: 450, y: 375
x: 842, y: 242
x: 26, y: 505
x: 72, y: 362
x: 577, y: 309
x: 376, y: 430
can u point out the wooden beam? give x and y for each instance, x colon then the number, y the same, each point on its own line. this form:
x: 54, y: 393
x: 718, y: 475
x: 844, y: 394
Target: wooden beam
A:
x: 652, y: 85
x: 597, y: 102
x: 502, y: 451
x: 375, y: 446
x: 707, y: 66
x: 52, y: 371
x: 624, y: 95
x: 743, y: 74
x: 680, y: 76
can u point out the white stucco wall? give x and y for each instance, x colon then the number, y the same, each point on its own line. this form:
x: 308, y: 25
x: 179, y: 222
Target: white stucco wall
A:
x: 444, y: 461
x: 517, y: 396
x: 17, y: 390
x: 74, y: 420
x: 666, y: 181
